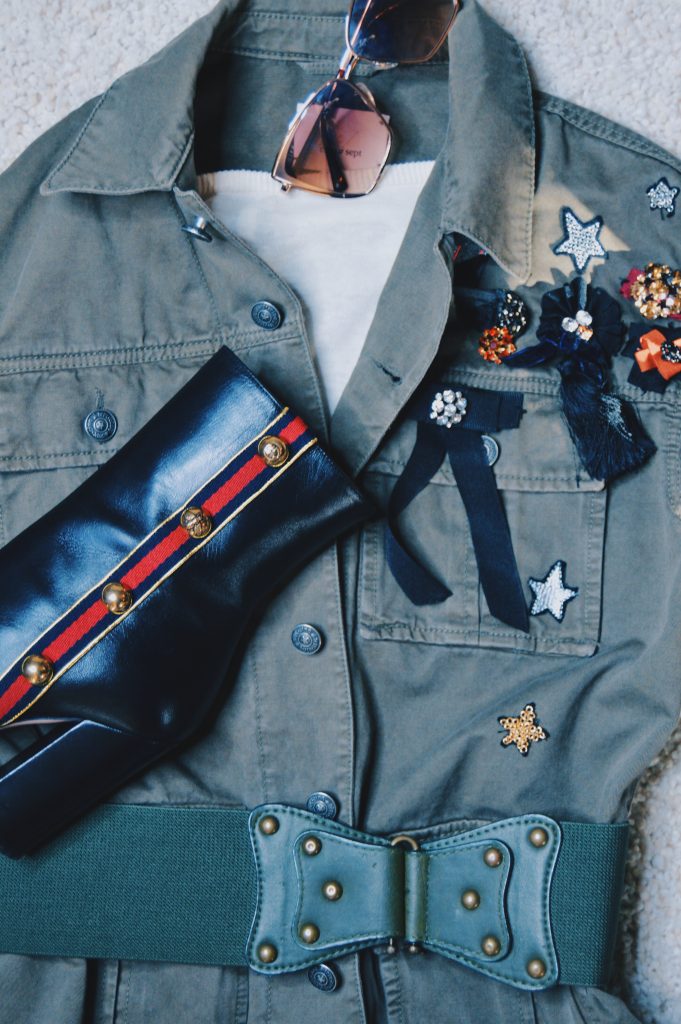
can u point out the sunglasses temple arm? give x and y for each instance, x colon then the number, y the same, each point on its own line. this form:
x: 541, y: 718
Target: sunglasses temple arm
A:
x: 330, y: 143
x: 328, y: 138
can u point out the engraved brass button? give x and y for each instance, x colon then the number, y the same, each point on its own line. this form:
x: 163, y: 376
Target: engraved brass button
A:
x: 539, y: 837
x: 491, y: 945
x: 312, y: 846
x: 117, y: 598
x: 267, y: 953
x: 323, y: 977
x: 536, y: 968
x: 266, y: 315
x: 100, y: 424
x: 268, y: 825
x: 273, y: 450
x: 470, y: 899
x: 492, y: 857
x: 306, y: 639
x: 309, y: 933
x: 322, y: 804
x: 332, y: 890
x: 196, y: 522
x: 37, y: 669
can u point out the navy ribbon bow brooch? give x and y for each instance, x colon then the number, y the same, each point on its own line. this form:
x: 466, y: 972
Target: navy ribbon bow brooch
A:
x: 451, y: 424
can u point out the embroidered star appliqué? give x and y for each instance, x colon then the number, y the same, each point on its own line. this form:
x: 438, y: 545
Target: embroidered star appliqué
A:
x: 581, y: 240
x: 663, y: 198
x: 522, y: 730
x: 550, y: 594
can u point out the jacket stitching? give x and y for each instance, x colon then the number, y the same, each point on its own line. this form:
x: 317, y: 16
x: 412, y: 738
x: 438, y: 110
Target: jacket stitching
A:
x: 601, y: 128
x: 379, y: 626
x: 65, y: 159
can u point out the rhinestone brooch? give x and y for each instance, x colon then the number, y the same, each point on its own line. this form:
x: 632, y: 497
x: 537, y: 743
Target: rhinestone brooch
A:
x: 448, y: 408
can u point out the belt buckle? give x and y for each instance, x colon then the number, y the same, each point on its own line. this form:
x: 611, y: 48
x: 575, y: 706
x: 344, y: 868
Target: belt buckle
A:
x: 479, y: 897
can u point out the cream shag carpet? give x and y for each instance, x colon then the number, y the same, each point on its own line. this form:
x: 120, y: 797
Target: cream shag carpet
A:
x: 619, y: 57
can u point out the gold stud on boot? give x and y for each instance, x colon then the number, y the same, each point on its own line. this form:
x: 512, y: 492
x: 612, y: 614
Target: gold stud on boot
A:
x: 37, y: 669
x: 117, y: 598
x: 196, y: 522
x: 273, y: 450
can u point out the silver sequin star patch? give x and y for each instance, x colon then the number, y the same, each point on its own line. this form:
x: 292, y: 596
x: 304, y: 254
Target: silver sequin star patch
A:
x: 550, y: 594
x: 662, y: 197
x: 581, y: 241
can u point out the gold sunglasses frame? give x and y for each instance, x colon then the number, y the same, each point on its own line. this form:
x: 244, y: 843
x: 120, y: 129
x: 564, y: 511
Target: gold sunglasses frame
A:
x: 347, y: 64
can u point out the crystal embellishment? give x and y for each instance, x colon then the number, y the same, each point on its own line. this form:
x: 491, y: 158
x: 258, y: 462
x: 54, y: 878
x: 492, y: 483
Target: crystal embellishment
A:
x: 513, y: 314
x: 662, y: 197
x: 551, y: 594
x: 580, y: 324
x: 448, y: 407
x: 581, y: 241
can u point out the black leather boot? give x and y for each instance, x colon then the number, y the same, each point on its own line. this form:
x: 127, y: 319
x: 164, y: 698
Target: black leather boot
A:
x: 121, y: 608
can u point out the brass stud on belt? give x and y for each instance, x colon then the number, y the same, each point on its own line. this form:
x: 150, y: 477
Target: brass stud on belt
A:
x: 268, y: 825
x: 491, y: 945
x: 536, y: 968
x: 470, y: 899
x: 312, y: 846
x: 37, y: 669
x: 117, y: 598
x: 309, y: 933
x: 492, y: 857
x: 196, y: 522
x: 267, y: 953
x: 539, y: 837
x: 332, y: 891
x: 273, y: 450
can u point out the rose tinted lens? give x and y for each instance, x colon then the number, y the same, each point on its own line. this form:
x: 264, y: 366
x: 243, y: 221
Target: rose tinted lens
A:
x: 399, y: 31
x: 338, y: 146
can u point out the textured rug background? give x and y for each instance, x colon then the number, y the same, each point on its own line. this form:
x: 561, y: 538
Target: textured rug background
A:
x: 619, y: 57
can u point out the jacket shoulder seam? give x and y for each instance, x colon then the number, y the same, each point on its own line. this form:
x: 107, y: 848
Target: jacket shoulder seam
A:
x: 601, y: 127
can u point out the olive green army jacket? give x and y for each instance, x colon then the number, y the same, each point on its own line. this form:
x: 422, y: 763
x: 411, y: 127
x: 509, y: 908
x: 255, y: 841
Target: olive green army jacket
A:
x: 107, y: 308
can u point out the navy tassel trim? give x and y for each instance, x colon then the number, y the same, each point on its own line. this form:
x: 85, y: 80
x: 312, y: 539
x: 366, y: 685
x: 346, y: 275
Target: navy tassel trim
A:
x: 583, y: 327
x: 606, y: 431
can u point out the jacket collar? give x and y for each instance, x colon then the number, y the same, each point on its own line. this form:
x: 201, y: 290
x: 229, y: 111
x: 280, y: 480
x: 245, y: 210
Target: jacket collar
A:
x: 139, y: 134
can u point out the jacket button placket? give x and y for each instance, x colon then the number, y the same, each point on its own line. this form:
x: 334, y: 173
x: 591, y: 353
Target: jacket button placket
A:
x: 303, y: 706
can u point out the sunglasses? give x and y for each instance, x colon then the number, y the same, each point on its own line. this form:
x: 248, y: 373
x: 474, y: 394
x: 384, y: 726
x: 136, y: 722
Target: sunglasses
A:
x: 339, y: 143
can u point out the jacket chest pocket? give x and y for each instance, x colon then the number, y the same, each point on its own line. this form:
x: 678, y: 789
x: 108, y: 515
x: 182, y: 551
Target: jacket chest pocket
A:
x: 556, y: 514
x: 58, y: 426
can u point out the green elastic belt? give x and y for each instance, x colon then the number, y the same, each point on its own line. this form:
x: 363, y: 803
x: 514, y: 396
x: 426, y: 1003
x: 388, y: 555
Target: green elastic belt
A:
x: 180, y: 884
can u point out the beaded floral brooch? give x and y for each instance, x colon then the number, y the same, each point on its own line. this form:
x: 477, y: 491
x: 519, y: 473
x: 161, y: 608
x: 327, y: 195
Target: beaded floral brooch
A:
x: 655, y: 291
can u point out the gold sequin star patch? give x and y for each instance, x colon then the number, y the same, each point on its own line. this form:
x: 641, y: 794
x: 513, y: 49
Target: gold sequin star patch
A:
x: 522, y: 730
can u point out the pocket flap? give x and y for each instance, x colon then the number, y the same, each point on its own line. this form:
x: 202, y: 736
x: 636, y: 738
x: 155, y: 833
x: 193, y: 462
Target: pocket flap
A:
x: 537, y: 456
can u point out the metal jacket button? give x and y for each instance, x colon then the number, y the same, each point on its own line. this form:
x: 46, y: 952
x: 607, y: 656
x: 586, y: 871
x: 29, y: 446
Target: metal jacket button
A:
x: 266, y: 315
x: 322, y: 804
x: 197, y: 229
x: 491, y: 449
x: 323, y: 977
x: 306, y: 639
x: 100, y: 424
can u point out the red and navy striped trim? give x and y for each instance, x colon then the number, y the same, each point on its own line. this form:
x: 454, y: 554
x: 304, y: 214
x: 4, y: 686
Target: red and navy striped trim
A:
x: 158, y: 556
